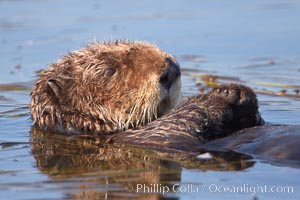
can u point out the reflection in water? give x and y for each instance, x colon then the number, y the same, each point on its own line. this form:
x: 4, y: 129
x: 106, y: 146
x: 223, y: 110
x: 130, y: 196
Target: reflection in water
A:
x: 97, y: 169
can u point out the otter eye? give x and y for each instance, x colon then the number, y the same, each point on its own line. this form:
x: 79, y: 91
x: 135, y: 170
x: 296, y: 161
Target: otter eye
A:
x: 109, y: 72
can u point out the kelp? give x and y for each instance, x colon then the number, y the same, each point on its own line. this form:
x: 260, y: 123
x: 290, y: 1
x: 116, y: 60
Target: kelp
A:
x: 15, y: 87
x: 206, y: 81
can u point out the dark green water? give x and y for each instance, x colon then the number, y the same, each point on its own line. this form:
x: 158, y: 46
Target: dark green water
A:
x: 252, y: 42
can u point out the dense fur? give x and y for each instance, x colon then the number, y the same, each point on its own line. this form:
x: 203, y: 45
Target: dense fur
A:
x: 106, y: 87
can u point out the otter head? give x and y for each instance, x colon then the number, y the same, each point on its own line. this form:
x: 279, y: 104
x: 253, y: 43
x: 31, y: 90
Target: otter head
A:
x: 106, y: 87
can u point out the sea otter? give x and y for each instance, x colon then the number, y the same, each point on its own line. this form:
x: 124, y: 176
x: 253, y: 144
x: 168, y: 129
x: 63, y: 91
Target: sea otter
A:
x: 106, y: 87
x: 113, y: 86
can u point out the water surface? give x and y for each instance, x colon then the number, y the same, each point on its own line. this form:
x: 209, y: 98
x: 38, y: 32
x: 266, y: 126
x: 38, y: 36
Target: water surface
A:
x: 255, y: 42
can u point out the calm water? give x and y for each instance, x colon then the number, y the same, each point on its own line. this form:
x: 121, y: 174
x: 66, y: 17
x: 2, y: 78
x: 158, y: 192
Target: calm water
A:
x: 254, y: 42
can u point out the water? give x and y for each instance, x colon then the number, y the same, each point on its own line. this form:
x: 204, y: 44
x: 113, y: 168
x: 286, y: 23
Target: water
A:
x: 252, y: 42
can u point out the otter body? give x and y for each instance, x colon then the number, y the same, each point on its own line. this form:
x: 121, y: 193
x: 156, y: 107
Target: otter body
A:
x: 106, y: 87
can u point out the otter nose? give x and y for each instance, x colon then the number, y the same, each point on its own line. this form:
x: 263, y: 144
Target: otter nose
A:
x: 170, y: 75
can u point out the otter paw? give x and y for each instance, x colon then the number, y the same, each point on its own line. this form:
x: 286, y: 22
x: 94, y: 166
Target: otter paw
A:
x: 235, y: 94
x: 242, y: 102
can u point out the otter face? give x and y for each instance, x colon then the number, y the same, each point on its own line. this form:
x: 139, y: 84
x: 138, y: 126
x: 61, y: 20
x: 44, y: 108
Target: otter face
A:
x: 106, y: 87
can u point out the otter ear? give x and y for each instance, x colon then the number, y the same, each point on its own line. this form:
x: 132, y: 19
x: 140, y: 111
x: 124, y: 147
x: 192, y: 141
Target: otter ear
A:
x: 54, y: 86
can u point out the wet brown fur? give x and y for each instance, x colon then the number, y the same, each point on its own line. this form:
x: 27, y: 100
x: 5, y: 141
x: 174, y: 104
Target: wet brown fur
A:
x: 200, y: 119
x: 104, y: 87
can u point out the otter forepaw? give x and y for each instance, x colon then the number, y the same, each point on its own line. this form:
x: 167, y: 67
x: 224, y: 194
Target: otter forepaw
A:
x: 241, y: 100
x: 235, y: 94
